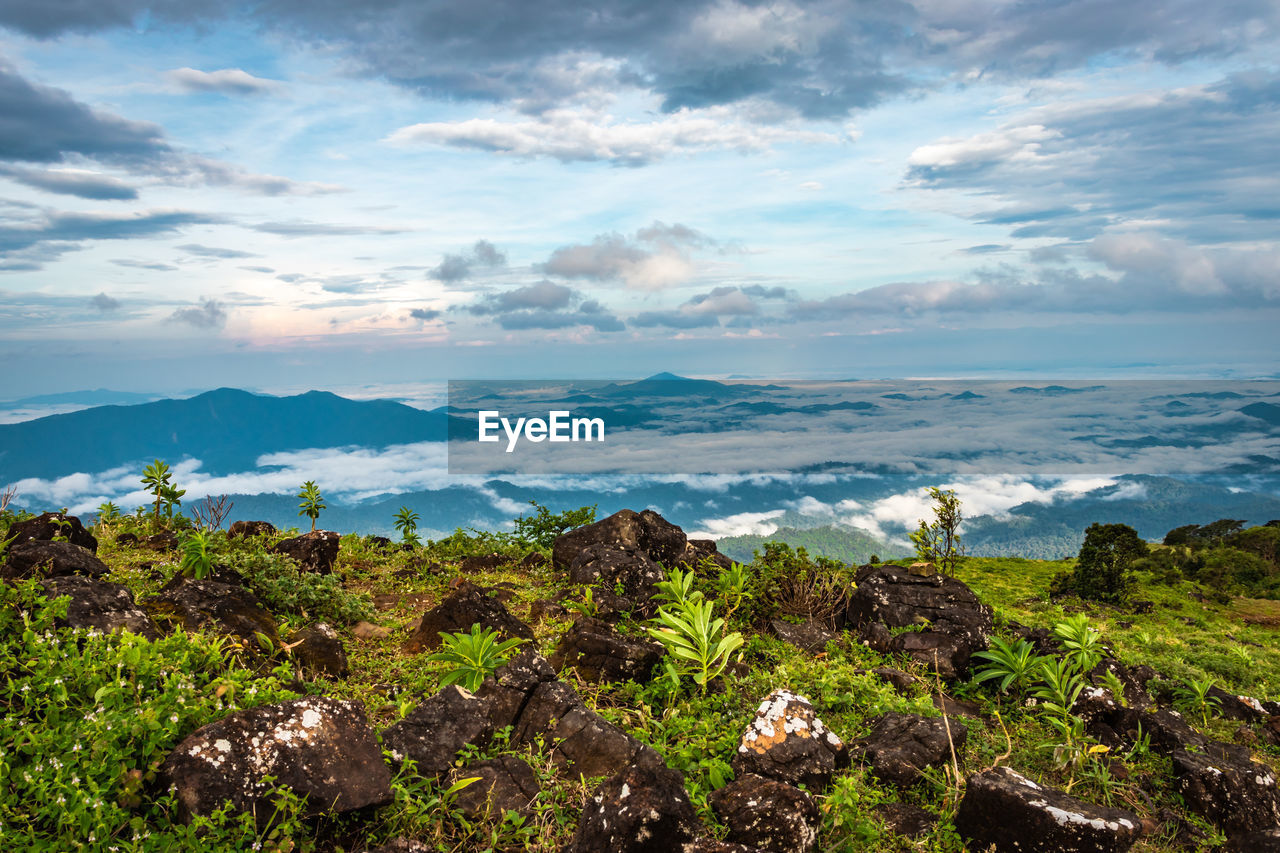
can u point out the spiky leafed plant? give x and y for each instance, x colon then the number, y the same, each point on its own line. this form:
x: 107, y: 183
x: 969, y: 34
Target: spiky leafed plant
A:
x: 474, y: 656
x: 156, y: 478
x: 407, y: 524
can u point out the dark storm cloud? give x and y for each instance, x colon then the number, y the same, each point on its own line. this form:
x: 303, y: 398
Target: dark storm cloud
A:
x: 483, y: 255
x: 88, y: 185
x: 1201, y: 159
x: 44, y: 125
x: 209, y: 314
x: 821, y: 58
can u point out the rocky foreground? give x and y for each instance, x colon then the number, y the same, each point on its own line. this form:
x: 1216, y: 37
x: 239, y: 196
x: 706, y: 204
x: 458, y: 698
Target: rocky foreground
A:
x: 327, y: 750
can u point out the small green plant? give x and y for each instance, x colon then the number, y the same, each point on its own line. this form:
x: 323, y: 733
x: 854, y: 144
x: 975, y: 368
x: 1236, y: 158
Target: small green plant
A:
x: 697, y: 645
x: 542, y: 527
x: 1082, y: 641
x: 1014, y: 664
x: 157, y: 478
x: 938, y: 542
x: 1113, y: 683
x: 474, y: 656
x: 677, y: 590
x: 1194, y: 697
x: 407, y: 524
x: 108, y: 512
x: 734, y: 587
x: 196, y: 557
x: 312, y: 502
x: 587, y: 606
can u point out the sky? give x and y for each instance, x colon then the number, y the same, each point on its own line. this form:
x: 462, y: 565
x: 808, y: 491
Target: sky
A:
x: 324, y: 194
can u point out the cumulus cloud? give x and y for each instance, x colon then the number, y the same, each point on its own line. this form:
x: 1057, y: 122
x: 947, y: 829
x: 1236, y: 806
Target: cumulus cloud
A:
x: 655, y: 257
x: 571, y: 135
x: 209, y: 314
x: 425, y: 314
x: 458, y: 267
x: 225, y: 81
x: 705, y: 310
x: 545, y: 295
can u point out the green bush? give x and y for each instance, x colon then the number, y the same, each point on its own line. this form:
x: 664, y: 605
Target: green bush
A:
x: 1102, y: 567
x: 88, y: 719
x: 542, y: 527
x: 789, y: 584
x: 286, y: 589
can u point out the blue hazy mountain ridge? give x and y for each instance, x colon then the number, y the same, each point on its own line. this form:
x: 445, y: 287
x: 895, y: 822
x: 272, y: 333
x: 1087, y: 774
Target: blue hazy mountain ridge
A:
x: 227, y: 429
x: 96, y: 397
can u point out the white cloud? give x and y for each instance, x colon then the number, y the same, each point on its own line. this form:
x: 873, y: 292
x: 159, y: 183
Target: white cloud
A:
x: 577, y: 135
x: 226, y: 81
x: 739, y: 524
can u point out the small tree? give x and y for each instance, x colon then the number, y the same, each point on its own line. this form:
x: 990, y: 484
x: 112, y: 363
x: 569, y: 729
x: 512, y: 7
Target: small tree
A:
x: 1102, y: 567
x: 939, y: 543
x: 407, y: 524
x: 312, y: 502
x: 156, y: 477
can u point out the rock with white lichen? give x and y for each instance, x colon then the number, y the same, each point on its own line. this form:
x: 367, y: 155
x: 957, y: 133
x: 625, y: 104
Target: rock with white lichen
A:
x: 640, y: 809
x: 767, y: 815
x: 787, y: 742
x: 321, y: 748
x: 1004, y: 810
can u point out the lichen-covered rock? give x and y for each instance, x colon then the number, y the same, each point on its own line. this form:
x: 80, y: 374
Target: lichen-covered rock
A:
x: 954, y: 623
x: 97, y: 604
x: 1005, y: 810
x: 767, y: 814
x: 251, y: 528
x: 590, y: 744
x: 223, y: 607
x: 787, y: 742
x: 599, y: 653
x: 46, y: 526
x: 435, y: 732
x: 637, y: 810
x: 467, y: 606
x: 41, y: 558
x: 321, y: 748
x: 315, y: 551
x: 1233, y: 792
x: 508, y: 690
x: 504, y: 784
x: 319, y: 649
x: 627, y: 550
x: 811, y: 636
x: 901, y: 745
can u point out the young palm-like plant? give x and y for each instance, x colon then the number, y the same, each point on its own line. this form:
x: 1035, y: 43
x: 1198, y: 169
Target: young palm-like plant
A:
x: 696, y: 644
x: 156, y: 478
x: 196, y: 558
x: 1015, y: 664
x: 407, y: 524
x: 312, y: 502
x: 734, y: 586
x: 1194, y: 696
x: 473, y: 657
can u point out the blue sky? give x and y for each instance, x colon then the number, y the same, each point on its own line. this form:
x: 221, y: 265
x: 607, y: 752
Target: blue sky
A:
x: 327, y: 194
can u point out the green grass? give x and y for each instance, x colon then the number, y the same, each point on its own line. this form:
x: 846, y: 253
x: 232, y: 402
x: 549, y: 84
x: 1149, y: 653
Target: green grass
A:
x: 1183, y: 637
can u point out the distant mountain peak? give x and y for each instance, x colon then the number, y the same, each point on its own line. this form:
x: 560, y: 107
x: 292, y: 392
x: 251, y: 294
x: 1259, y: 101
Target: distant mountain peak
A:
x: 667, y: 377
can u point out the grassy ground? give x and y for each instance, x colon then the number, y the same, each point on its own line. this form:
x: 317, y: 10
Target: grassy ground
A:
x: 1182, y: 636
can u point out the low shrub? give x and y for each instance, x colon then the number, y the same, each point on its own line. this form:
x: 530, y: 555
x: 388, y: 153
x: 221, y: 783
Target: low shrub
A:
x: 286, y: 589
